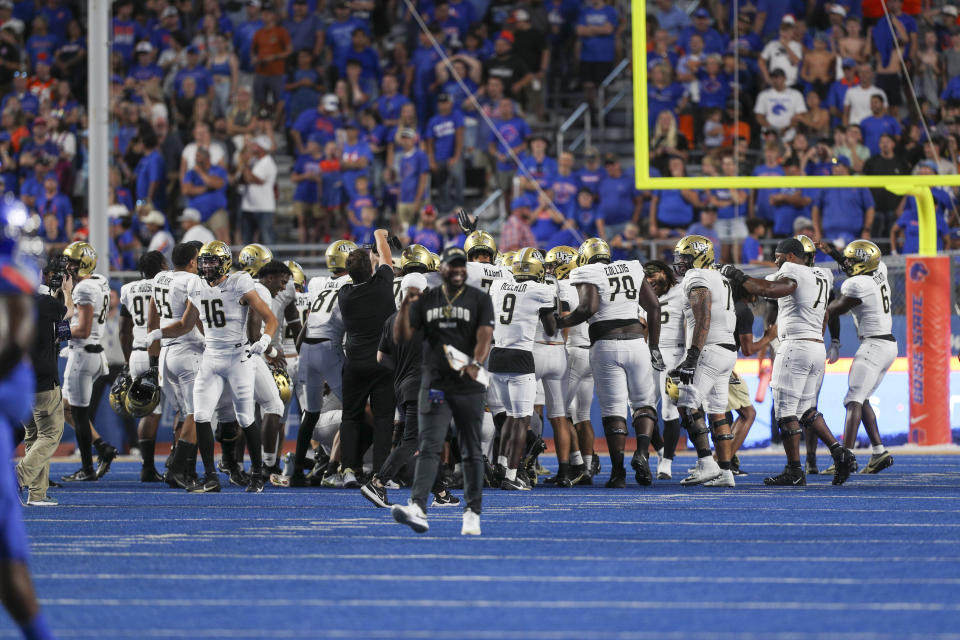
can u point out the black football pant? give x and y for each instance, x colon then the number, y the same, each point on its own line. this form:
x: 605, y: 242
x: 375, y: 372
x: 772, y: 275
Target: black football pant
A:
x: 404, y: 454
x: 360, y: 384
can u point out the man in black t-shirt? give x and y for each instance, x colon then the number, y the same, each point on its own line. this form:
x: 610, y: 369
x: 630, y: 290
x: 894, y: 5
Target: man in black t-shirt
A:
x: 404, y: 358
x: 508, y: 67
x: 365, y: 306
x: 456, y: 315
x: 54, y: 307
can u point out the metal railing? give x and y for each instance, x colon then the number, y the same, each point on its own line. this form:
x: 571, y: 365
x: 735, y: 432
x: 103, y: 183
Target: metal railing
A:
x: 583, y: 111
x: 603, y: 107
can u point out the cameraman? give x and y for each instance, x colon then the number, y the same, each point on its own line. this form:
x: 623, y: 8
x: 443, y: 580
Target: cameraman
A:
x: 54, y: 308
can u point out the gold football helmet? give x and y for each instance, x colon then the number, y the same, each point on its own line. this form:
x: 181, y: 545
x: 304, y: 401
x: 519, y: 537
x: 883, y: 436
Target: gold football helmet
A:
x: 337, y: 253
x: 860, y: 256
x: 143, y: 396
x: 118, y: 393
x: 252, y: 258
x: 692, y: 252
x: 214, y: 260
x: 506, y: 259
x: 809, y: 249
x: 561, y: 260
x: 283, y: 382
x: 299, y: 277
x: 434, y: 262
x: 528, y: 265
x: 672, y: 388
x: 480, y: 242
x: 81, y: 259
x: 593, y: 250
x: 416, y: 259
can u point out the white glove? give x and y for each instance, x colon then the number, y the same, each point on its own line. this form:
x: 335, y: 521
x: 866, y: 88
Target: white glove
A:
x: 149, y: 339
x: 833, y: 353
x: 260, y: 345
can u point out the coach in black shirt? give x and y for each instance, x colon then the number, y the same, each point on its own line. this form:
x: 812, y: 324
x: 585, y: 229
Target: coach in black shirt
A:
x: 460, y: 316
x: 365, y: 306
x: 54, y: 307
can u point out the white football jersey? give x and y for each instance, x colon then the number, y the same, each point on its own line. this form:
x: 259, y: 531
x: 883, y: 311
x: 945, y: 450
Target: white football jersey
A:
x: 135, y: 297
x: 324, y: 320
x: 577, y: 336
x: 302, y: 302
x: 95, y: 292
x: 801, y: 313
x: 723, y: 317
x: 482, y: 276
x: 872, y: 315
x: 541, y: 333
x: 170, y: 289
x: 222, y: 312
x: 619, y: 286
x: 672, y: 323
x: 516, y: 309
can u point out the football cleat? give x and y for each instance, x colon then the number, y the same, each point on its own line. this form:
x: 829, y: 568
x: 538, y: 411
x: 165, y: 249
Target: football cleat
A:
x: 664, y: 468
x: 791, y: 477
x: 445, y: 499
x: 376, y: 495
x: 411, y: 515
x: 81, y: 475
x: 256, y: 483
x: 595, y: 466
x: 332, y: 480
x: 514, y: 485
x: 725, y: 479
x: 878, y: 462
x: 812, y: 469
x: 706, y: 470
x: 641, y: 465
x: 350, y: 479
x: 150, y: 474
x: 846, y: 464
x: 105, y: 460
x: 618, y: 479
x: 296, y: 480
x: 209, y: 484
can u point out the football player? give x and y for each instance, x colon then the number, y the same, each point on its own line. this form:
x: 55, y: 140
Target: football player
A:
x: 291, y: 329
x: 798, y: 369
x: 321, y: 350
x: 609, y: 294
x: 221, y: 300
x: 866, y: 294
x: 663, y: 281
x: 414, y: 259
x: 518, y: 308
x: 136, y: 298
x: 704, y: 373
x: 86, y: 361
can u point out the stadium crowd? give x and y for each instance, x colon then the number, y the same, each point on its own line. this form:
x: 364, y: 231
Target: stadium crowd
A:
x: 342, y: 113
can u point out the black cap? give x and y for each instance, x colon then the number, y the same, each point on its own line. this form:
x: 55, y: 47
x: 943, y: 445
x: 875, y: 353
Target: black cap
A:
x: 443, y: 97
x: 791, y: 245
x: 778, y: 72
x: 453, y: 254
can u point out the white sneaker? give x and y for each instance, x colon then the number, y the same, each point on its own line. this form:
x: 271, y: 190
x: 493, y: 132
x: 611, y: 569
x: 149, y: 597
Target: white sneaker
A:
x: 350, y: 479
x: 471, y: 523
x: 44, y: 502
x: 414, y: 517
x: 725, y: 479
x: 390, y: 484
x: 707, y: 469
x: 664, y: 469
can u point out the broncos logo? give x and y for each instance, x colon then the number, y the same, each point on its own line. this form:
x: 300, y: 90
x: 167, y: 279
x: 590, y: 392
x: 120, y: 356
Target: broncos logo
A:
x: 919, y: 272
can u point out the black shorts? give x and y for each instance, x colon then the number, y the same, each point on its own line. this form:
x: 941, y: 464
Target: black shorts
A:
x: 594, y: 72
x: 890, y: 83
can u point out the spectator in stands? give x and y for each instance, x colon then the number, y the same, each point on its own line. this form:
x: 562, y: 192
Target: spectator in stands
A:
x: 592, y: 173
x: 672, y: 210
x: 193, y: 229
x: 619, y: 201
x: 362, y: 231
x: 585, y: 214
x: 422, y: 75
x: 243, y: 35
x: 713, y: 41
x: 843, y: 214
x: 356, y: 158
x: 856, y: 101
x: 628, y: 245
x: 270, y: 49
x: 706, y: 227
x: 407, y: 120
x: 760, y: 206
x: 202, y: 140
x: 151, y: 171
x: 361, y: 199
x: 538, y: 164
x: 414, y: 175
x: 671, y: 18
x: 816, y: 120
x: 205, y: 187
x: 547, y: 220
x: 778, y: 106
x: 332, y: 192
x: 390, y: 101
x: 819, y: 66
x: 785, y: 53
x: 444, y: 138
x: 513, y: 131
x: 257, y: 172
x: 663, y: 94
x: 887, y: 51
x: 320, y: 122
x: 885, y: 163
x: 731, y: 206
x: 367, y: 61
x: 907, y: 224
x: 508, y: 66
x: 305, y: 28
x: 339, y: 34
x: 878, y: 124
x: 838, y: 89
x: 563, y: 185
x: 515, y: 233
x: 752, y: 251
x: 303, y: 86
x: 225, y: 71
x: 53, y: 234
x: 596, y: 29
x: 530, y: 45
x: 789, y: 203
x: 160, y: 239
x: 425, y: 233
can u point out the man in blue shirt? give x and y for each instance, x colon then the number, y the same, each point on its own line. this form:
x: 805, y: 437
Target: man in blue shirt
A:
x: 125, y: 31
x: 145, y: 68
x: 538, y: 164
x: 592, y: 173
x: 28, y: 102
x: 51, y: 201
x: 596, y: 28
x: 838, y: 90
x: 564, y: 186
x: 619, y: 201
x: 243, y: 35
x: 514, y: 132
x: 671, y: 18
x: 878, y: 124
x: 789, y: 203
x: 356, y: 159
x: 198, y: 72
x: 713, y: 41
x: 444, y: 135
x: 361, y: 51
x: 414, y: 178
x: 151, y: 172
x: 320, y: 123
x: 205, y: 186
x: 423, y: 62
x: 845, y: 213
x: 390, y: 101
x: 339, y: 34
x: 304, y: 27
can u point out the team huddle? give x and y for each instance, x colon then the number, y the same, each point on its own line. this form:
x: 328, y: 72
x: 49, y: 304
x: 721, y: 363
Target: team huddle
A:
x: 655, y: 344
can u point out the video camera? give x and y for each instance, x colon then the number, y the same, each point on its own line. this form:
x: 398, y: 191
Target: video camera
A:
x: 54, y: 272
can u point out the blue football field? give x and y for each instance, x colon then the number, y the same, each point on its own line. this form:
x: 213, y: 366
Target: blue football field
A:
x: 876, y: 558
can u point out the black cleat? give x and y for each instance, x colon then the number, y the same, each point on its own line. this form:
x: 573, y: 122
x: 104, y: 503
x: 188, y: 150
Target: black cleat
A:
x: 256, y: 483
x: 81, y: 475
x: 273, y: 469
x: 735, y: 466
x: 812, y: 469
x: 150, y: 474
x: 595, y: 466
x: 178, y: 480
x: 376, y: 495
x: 514, y: 485
x: 583, y: 474
x: 846, y: 464
x: 791, y: 477
x: 641, y: 465
x: 618, y: 479
x: 446, y: 499
x: 209, y: 484
x: 237, y: 476
x: 105, y: 460
x: 524, y: 477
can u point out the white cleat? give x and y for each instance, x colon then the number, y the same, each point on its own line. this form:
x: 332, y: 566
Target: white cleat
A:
x: 414, y: 517
x: 706, y: 470
x: 664, y: 469
x: 725, y: 479
x: 471, y: 523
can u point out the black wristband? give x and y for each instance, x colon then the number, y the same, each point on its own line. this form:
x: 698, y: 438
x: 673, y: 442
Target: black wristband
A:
x: 154, y: 361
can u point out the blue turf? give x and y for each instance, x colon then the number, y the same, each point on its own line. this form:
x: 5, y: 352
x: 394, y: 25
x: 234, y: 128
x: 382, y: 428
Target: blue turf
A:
x: 877, y: 558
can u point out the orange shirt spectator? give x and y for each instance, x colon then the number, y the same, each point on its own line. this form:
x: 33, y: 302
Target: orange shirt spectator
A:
x: 269, y: 42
